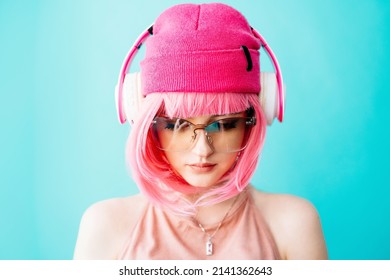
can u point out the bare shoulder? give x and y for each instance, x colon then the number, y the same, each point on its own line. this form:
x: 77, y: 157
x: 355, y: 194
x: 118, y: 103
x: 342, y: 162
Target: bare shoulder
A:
x: 295, y: 224
x: 271, y: 204
x: 105, y: 226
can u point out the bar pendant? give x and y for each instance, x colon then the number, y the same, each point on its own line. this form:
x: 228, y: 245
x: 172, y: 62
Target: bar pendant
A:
x: 209, y: 248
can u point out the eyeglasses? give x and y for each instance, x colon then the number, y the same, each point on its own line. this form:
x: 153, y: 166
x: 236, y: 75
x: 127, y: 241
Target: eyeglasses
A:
x: 226, y: 135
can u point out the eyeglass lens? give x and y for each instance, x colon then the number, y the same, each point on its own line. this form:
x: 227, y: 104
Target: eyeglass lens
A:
x: 223, y: 135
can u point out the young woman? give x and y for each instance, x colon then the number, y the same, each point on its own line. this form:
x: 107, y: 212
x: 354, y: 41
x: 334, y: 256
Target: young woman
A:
x: 194, y: 146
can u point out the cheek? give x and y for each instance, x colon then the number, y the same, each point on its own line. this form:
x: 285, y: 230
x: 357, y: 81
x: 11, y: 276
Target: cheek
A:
x: 175, y: 159
x: 227, y: 160
x: 228, y: 163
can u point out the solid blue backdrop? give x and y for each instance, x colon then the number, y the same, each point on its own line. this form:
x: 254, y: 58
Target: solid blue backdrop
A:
x: 62, y: 148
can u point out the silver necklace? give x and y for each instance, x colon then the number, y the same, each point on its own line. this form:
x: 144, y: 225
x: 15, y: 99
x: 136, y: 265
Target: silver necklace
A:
x: 209, y: 243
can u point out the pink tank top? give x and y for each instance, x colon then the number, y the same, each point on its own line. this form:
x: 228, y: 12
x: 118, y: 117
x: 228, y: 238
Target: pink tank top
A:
x: 162, y: 236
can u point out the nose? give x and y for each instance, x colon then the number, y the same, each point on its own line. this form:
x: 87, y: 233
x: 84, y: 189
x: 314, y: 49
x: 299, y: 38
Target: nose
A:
x: 201, y: 146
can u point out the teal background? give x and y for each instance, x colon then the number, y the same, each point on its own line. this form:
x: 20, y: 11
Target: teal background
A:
x: 62, y: 148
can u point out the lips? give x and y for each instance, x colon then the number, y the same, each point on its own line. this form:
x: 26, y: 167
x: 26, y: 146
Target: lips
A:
x: 202, y: 167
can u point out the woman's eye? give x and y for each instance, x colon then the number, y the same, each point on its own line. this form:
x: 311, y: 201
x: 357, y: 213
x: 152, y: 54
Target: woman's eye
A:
x: 214, y: 127
x: 229, y: 124
x: 169, y: 125
x: 222, y: 125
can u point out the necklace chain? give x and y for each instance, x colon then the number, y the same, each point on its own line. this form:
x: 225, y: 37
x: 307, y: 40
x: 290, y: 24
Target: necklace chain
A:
x: 209, y: 244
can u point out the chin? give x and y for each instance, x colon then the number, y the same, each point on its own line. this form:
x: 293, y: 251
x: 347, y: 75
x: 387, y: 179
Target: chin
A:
x: 200, y: 183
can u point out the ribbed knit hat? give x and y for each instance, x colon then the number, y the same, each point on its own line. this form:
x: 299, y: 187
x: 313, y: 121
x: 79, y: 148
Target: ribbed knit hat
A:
x: 206, y: 48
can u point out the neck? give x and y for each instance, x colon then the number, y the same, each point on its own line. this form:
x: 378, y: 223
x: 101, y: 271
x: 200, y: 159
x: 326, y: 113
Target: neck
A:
x: 212, y: 215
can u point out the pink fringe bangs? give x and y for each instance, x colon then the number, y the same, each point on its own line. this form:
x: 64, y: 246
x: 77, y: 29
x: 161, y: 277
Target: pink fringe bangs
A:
x: 152, y: 172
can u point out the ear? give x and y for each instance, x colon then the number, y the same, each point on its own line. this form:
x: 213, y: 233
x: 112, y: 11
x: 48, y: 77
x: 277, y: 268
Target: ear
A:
x: 132, y: 96
x: 269, y: 96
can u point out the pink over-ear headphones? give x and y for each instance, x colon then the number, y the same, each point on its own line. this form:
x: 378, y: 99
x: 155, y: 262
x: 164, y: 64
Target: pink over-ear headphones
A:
x: 129, y: 96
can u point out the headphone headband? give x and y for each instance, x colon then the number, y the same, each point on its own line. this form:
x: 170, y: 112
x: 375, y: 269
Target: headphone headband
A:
x: 125, y: 66
x: 278, y: 72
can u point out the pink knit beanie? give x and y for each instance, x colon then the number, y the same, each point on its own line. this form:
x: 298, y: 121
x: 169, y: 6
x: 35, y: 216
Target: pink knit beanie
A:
x: 206, y: 48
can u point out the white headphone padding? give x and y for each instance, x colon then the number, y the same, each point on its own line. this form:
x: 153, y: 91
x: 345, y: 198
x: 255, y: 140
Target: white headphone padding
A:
x: 269, y: 96
x: 132, y: 96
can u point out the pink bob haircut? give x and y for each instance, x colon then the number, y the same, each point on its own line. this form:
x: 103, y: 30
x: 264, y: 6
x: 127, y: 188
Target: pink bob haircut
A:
x: 153, y: 173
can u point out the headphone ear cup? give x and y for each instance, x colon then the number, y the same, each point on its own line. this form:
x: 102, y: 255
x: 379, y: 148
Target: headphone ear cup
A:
x: 132, y: 96
x: 269, y: 96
